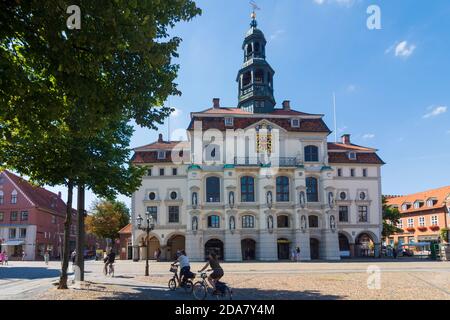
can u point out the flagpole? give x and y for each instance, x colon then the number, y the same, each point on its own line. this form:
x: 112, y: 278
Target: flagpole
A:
x: 335, y: 122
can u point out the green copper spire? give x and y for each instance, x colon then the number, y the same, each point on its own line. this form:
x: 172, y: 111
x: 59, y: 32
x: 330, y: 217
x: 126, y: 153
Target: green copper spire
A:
x: 255, y: 78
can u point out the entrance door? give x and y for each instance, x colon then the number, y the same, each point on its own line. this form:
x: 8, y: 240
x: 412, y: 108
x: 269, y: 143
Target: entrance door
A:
x: 283, y: 249
x: 314, y: 248
x: 248, y: 249
x: 216, y: 246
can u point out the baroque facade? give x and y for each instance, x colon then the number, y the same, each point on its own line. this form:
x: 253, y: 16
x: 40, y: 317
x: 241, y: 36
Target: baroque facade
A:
x: 255, y: 182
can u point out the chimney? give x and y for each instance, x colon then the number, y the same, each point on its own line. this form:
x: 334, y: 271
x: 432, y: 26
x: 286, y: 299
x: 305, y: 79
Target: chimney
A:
x: 160, y: 138
x: 216, y: 103
x: 59, y: 195
x: 286, y: 105
x: 346, y: 139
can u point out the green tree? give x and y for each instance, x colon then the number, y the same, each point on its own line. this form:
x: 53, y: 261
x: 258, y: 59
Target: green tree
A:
x: 391, y: 217
x: 107, y: 218
x: 64, y: 93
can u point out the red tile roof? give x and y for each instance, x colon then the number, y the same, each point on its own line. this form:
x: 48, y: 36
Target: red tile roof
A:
x: 41, y: 197
x: 361, y: 158
x: 163, y: 145
x: 126, y: 229
x: 347, y: 147
x: 239, y: 111
x: 442, y: 195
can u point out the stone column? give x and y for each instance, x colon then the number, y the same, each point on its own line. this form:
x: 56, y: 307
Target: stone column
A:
x: 232, y: 246
x: 267, y: 247
x: 302, y: 241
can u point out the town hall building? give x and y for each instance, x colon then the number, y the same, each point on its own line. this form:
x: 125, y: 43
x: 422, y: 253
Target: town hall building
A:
x: 257, y: 181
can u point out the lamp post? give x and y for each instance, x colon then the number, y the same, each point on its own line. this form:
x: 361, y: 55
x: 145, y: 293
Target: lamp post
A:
x: 150, y: 225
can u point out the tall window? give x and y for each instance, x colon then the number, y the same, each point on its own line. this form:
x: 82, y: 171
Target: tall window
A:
x: 213, y: 221
x: 362, y: 214
x: 13, y: 216
x: 247, y: 189
x: 311, y: 154
x: 248, y: 222
x: 174, y: 214
x: 2, y: 216
x: 2, y: 198
x: 410, y: 222
x: 161, y: 171
x: 22, y: 233
x: 282, y: 189
x: 212, y: 189
x: 12, y: 233
x: 153, y: 210
x: 343, y: 213
x: 14, y: 197
x: 312, y: 193
x: 421, y: 221
x: 434, y: 220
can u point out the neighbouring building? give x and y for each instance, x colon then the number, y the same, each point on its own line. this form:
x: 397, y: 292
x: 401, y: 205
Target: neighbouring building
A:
x: 254, y: 182
x: 32, y: 220
x: 423, y: 215
x: 125, y: 243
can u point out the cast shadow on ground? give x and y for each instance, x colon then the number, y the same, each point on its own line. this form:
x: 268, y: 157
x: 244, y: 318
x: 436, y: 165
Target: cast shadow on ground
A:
x: 160, y: 293
x: 29, y: 273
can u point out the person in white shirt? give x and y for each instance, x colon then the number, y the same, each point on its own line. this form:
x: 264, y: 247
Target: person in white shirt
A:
x: 185, y: 267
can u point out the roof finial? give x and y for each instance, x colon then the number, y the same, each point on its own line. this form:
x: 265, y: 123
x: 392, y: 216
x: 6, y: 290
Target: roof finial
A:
x: 253, y: 15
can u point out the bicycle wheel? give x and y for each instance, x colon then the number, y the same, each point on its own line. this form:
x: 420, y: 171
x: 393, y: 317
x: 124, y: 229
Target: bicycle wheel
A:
x: 188, y: 286
x: 172, y: 284
x: 199, y: 290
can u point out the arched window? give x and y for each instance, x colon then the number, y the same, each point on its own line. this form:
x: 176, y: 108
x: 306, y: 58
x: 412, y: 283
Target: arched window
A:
x: 212, y: 189
x: 249, y: 48
x: 282, y: 189
x: 256, y: 47
x: 247, y: 189
x: 311, y: 154
x: 313, y: 221
x: 259, y: 76
x: 213, y: 221
x: 246, y: 78
x: 248, y: 222
x: 312, y: 194
x: 283, y: 221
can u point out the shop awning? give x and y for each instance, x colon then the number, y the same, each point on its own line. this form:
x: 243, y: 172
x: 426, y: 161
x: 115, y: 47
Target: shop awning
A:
x: 13, y: 243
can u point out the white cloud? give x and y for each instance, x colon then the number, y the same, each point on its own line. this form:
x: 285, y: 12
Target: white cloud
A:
x: 351, y: 88
x: 435, y: 111
x: 176, y: 113
x: 368, y: 136
x: 402, y: 49
x: 276, y: 34
x: 346, y: 3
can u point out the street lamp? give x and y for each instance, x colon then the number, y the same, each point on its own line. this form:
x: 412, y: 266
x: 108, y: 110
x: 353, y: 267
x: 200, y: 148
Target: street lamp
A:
x: 147, y: 228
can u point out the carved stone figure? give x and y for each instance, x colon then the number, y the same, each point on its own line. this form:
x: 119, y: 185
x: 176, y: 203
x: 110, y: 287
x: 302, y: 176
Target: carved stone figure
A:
x: 231, y: 198
x: 232, y: 223
x: 302, y: 199
x: 332, y: 222
x: 194, y: 223
x: 303, y: 222
x: 269, y: 198
x: 194, y: 199
x: 270, y: 222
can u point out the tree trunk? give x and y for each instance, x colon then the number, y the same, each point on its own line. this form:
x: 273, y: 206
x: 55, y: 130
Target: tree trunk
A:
x: 80, y: 233
x: 66, y: 240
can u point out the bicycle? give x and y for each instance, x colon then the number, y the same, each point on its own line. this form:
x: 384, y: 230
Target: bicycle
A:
x: 202, y: 288
x: 109, y: 270
x: 176, y: 281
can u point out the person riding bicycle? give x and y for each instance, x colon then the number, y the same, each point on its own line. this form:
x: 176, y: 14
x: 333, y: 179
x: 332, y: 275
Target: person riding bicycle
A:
x: 109, y: 260
x: 185, y: 267
x: 217, y: 271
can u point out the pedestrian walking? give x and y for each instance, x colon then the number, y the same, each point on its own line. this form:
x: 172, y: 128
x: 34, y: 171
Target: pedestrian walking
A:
x: 1, y: 257
x: 394, y: 252
x: 298, y: 254
x: 74, y: 256
x: 158, y: 255
x: 46, y: 257
x: 23, y: 255
x: 5, y: 258
x: 293, y: 254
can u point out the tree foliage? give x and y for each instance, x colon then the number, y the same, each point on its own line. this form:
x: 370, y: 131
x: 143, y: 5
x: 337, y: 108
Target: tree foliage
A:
x: 391, y: 217
x: 67, y: 96
x: 107, y: 219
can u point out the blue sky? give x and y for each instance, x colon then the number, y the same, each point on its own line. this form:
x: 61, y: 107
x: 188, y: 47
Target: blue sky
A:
x: 392, y: 85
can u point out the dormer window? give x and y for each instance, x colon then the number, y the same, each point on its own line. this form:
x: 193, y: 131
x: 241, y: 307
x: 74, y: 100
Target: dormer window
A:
x: 161, y: 155
x: 431, y: 202
x: 229, y: 122
x: 352, y: 155
x: 418, y: 204
x: 295, y: 123
x: 406, y: 206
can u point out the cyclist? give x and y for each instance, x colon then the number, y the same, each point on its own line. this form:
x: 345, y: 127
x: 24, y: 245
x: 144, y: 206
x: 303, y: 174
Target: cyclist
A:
x: 217, y: 271
x: 185, y: 267
x: 109, y: 260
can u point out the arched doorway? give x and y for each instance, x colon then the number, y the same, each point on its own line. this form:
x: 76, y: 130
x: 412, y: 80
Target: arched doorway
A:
x: 174, y: 244
x: 248, y: 247
x: 216, y: 246
x: 344, y: 246
x: 365, y: 245
x: 314, y: 248
x: 153, y: 245
x: 283, y: 249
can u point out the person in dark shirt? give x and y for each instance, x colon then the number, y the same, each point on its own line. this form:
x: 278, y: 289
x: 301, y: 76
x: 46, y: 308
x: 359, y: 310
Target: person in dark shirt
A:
x: 217, y: 271
x: 109, y: 260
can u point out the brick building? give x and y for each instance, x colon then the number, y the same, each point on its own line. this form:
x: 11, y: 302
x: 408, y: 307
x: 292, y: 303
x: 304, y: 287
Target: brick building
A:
x: 424, y: 214
x: 32, y: 220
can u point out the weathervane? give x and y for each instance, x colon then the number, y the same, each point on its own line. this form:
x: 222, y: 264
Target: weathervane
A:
x: 255, y: 7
